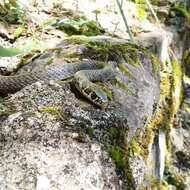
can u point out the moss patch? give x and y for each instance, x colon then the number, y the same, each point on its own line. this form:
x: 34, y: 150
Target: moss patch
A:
x: 53, y: 110
x: 124, y: 70
x: 141, y: 11
x: 183, y: 159
x: 79, y: 26
x: 174, y: 178
x: 182, y: 12
x: 6, y: 109
x: 177, y: 85
x: 135, y: 147
x: 170, y: 98
x: 117, y: 155
x: 155, y: 64
x: 115, y: 146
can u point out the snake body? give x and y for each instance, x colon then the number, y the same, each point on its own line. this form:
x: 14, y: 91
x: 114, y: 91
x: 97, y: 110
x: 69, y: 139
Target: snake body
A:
x: 84, y: 74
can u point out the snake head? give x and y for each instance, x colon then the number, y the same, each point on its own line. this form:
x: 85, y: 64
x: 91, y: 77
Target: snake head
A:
x: 92, y: 92
x: 96, y: 95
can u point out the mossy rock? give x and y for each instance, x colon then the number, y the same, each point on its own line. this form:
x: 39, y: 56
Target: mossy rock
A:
x: 132, y: 98
x: 79, y: 26
x: 174, y: 178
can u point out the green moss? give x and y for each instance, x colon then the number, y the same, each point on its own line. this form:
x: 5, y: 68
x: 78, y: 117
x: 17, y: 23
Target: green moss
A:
x: 175, y: 178
x: 124, y: 70
x: 130, y: 53
x: 135, y: 147
x: 6, y: 109
x: 142, y: 14
x: 53, y: 110
x: 168, y: 105
x: 183, y: 12
x: 90, y: 132
x: 153, y: 2
x: 170, y: 98
x: 164, y: 115
x: 69, y: 29
x: 186, y: 62
x: 83, y: 131
x: 117, y: 136
x: 79, y: 26
x: 117, y: 155
x: 154, y: 184
x: 183, y: 159
x: 91, y: 28
x: 78, y: 39
x: 155, y: 64
x: 116, y: 145
x: 122, y: 85
x: 186, y: 57
x: 139, y: 1
x: 147, y: 139
x: 177, y: 86
x: 164, y: 186
x: 67, y: 54
x: 114, y: 142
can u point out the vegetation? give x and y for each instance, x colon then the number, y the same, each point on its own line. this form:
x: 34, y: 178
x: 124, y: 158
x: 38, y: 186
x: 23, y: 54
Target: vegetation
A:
x: 11, y: 12
x: 182, y: 11
x: 79, y: 26
x: 171, y: 92
x: 174, y: 178
x: 8, y: 52
x: 53, y: 110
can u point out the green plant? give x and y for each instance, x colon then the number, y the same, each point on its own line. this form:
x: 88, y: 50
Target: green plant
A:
x: 11, y: 12
x: 8, y: 52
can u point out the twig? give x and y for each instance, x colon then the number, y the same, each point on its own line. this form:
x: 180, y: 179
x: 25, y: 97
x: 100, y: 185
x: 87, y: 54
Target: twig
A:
x: 125, y: 20
x: 153, y: 12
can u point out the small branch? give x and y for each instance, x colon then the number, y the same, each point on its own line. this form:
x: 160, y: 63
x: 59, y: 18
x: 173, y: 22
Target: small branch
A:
x: 125, y: 20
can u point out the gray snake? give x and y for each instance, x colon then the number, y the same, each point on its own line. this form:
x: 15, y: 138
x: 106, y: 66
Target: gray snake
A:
x: 84, y: 74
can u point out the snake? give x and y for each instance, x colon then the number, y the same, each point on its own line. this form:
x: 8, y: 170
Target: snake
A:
x: 83, y: 74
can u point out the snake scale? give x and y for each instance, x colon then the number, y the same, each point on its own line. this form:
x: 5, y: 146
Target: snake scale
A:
x: 83, y: 73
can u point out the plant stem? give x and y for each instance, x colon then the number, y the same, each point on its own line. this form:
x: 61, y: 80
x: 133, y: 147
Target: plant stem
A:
x: 125, y: 20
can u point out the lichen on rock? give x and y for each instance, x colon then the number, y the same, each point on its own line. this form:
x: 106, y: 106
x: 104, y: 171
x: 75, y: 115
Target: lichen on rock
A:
x: 58, y: 136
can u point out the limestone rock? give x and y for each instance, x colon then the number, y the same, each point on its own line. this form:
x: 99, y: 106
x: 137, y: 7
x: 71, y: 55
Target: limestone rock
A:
x: 53, y: 138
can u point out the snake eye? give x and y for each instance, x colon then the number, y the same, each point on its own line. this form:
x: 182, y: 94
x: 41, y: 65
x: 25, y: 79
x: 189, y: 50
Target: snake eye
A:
x: 93, y: 96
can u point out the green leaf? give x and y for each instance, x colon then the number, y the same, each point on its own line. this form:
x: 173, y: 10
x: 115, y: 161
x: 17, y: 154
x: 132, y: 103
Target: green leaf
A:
x: 9, y: 52
x: 18, y: 31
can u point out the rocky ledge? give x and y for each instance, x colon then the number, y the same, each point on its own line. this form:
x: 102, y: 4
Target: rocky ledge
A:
x: 53, y: 138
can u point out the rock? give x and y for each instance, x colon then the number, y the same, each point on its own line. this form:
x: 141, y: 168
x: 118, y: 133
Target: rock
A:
x: 4, y: 32
x: 42, y: 148
x: 52, y: 138
x: 178, y: 171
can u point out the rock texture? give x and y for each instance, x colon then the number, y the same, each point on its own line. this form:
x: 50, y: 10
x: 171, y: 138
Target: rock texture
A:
x: 46, y: 118
x: 40, y: 151
x: 53, y: 138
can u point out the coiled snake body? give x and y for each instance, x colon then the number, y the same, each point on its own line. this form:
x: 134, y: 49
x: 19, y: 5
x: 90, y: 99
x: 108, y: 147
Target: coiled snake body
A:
x: 83, y: 73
